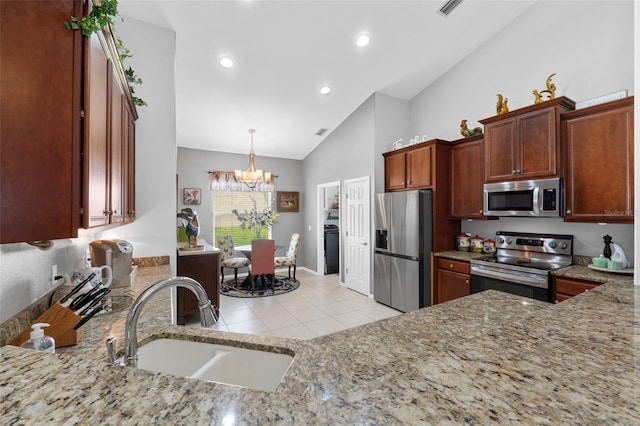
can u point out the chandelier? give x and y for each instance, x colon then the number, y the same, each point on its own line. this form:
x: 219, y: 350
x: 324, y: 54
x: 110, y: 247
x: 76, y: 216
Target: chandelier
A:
x: 252, y: 177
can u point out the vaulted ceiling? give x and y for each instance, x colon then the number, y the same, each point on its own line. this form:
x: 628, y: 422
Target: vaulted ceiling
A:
x: 285, y: 51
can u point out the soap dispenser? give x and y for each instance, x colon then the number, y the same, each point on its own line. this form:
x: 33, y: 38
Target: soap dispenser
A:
x: 38, y: 341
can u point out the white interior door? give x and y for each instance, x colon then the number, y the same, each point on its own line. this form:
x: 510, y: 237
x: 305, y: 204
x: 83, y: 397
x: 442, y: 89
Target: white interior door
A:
x: 357, y: 201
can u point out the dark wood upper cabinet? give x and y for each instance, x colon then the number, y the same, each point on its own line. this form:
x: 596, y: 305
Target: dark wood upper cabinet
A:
x: 409, y: 168
x: 55, y: 166
x: 467, y: 177
x: 426, y: 165
x: 96, y: 137
x: 525, y: 143
x: 598, y: 144
x: 41, y: 86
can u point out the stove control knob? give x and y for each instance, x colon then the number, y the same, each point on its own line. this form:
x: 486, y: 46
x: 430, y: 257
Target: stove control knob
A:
x: 509, y: 240
x: 553, y: 244
x: 563, y: 246
x: 501, y: 240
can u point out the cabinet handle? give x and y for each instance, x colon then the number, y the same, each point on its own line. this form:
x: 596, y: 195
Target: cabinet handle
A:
x: 481, y: 211
x: 115, y: 212
x: 568, y: 211
x: 513, y: 171
x: 518, y: 171
x: 451, y: 265
x: 466, y: 281
x: 105, y: 213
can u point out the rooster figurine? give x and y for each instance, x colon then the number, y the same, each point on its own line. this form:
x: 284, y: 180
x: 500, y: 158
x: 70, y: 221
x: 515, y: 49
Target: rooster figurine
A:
x: 501, y: 105
x: 464, y: 130
x: 190, y: 222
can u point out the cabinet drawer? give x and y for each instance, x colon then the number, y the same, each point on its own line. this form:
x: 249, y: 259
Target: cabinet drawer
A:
x: 572, y: 287
x: 453, y: 265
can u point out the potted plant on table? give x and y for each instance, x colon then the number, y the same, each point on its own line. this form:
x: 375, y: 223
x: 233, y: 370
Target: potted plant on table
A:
x: 255, y: 219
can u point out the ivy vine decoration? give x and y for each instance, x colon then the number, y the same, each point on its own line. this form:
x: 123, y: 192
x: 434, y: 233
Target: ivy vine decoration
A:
x: 132, y: 78
x: 100, y: 16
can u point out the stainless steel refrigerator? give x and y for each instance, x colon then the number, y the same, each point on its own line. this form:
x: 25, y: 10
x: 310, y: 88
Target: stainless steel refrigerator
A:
x: 402, y: 256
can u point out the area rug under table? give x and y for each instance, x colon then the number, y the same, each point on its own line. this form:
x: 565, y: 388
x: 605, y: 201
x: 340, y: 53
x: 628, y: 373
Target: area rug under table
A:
x: 243, y: 288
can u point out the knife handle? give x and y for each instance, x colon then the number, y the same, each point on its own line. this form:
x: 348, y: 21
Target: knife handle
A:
x: 87, y: 317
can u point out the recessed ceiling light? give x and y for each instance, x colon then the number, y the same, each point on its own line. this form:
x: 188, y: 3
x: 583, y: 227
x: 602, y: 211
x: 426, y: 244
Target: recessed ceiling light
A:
x: 363, y: 40
x: 325, y: 90
x: 226, y: 62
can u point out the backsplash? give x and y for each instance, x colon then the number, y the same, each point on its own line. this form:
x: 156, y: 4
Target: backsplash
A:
x: 587, y: 237
x: 14, y: 325
x: 26, y: 271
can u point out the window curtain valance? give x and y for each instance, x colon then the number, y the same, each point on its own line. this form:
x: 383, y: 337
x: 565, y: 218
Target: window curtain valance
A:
x: 226, y: 181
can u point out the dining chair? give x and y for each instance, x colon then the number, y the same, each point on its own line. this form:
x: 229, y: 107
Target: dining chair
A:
x: 291, y: 257
x: 262, y: 262
x: 230, y: 257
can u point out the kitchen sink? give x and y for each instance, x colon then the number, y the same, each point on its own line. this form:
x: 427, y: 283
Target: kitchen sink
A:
x: 249, y: 368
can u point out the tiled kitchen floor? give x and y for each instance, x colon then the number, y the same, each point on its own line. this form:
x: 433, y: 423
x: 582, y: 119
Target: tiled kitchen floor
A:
x: 319, y: 306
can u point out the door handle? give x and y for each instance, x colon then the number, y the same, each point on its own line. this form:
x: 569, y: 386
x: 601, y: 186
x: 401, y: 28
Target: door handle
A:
x: 364, y: 244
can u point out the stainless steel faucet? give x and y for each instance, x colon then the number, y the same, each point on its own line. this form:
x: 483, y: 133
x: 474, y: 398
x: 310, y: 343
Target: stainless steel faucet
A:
x: 208, y: 317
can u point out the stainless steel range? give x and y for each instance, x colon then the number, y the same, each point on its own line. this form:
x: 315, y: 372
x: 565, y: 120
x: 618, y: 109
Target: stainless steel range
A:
x: 523, y: 264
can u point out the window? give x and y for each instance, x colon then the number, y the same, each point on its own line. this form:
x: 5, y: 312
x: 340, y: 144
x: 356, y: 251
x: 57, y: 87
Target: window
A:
x: 225, y: 222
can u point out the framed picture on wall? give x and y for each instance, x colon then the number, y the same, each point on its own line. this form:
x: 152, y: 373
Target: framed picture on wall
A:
x: 191, y: 196
x: 288, y: 201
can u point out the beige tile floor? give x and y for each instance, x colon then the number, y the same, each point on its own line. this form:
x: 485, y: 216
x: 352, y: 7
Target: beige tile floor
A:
x: 318, y: 307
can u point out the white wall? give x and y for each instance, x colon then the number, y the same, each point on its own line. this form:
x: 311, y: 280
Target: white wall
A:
x: 344, y: 154
x: 391, y: 122
x: 153, y: 50
x: 589, y: 45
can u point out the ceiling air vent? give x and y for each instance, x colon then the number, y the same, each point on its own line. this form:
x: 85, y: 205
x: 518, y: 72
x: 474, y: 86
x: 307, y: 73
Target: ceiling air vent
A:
x: 448, y: 6
x: 321, y: 132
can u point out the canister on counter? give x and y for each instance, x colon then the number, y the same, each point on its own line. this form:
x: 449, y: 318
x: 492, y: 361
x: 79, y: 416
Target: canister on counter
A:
x: 477, y: 244
x: 463, y: 242
x: 489, y: 246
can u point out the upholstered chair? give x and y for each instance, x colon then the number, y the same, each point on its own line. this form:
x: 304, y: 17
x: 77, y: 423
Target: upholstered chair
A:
x: 291, y: 257
x: 262, y: 262
x: 229, y: 257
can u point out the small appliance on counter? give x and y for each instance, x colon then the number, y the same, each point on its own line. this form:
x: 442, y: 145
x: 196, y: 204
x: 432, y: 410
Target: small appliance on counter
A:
x: 118, y: 254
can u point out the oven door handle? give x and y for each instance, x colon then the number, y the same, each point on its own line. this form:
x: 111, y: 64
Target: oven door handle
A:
x: 527, y: 279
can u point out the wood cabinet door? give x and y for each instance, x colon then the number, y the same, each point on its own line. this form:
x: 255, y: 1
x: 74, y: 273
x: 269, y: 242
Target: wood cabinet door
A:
x: 40, y: 87
x: 565, y: 288
x: 116, y: 154
x: 599, y: 165
x: 394, y: 171
x: 419, y: 167
x: 204, y: 269
x: 129, y: 172
x: 537, y: 148
x: 451, y: 285
x: 500, y: 150
x: 466, y: 180
x: 96, y: 151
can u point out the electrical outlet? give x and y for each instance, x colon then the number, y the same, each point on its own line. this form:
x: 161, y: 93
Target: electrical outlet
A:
x: 54, y: 274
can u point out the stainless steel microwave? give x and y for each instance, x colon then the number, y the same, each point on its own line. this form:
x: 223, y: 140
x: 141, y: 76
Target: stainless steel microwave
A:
x: 542, y: 197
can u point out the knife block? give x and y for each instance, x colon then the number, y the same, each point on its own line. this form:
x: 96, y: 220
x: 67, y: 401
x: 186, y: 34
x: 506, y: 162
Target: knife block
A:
x: 61, y: 321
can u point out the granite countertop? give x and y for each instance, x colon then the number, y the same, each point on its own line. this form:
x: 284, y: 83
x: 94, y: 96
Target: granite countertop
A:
x: 464, y: 256
x: 202, y: 248
x: 488, y: 358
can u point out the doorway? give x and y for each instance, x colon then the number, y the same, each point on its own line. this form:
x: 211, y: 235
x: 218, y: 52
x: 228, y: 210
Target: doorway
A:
x: 328, y: 261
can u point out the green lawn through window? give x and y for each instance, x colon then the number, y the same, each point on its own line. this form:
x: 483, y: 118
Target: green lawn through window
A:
x: 241, y: 236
